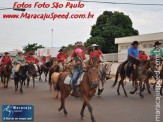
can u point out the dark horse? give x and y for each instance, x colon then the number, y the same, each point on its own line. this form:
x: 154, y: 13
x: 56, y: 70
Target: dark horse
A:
x: 5, y: 74
x: 87, y: 87
x: 21, y: 75
x: 44, y: 68
x: 139, y: 74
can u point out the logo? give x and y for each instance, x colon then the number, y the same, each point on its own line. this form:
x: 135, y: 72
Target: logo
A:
x: 17, y: 112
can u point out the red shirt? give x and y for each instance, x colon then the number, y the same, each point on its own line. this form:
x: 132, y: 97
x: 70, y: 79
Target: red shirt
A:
x: 30, y: 59
x: 6, y: 60
x: 61, y: 56
x: 43, y: 60
x: 36, y: 61
x: 83, y: 54
x: 143, y: 57
x: 96, y: 54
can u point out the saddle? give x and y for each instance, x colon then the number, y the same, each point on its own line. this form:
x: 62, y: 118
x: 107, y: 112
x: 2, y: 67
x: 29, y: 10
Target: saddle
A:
x: 67, y: 80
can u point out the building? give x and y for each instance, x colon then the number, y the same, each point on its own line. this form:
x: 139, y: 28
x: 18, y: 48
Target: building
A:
x: 146, y: 43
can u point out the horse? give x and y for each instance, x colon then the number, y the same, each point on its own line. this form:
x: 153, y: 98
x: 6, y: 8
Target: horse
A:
x: 104, y: 68
x: 33, y: 75
x: 21, y: 75
x: 87, y: 87
x: 139, y: 74
x: 5, y: 74
x: 44, y: 68
x: 54, y: 77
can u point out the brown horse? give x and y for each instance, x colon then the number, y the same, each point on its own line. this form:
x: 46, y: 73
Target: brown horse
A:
x: 139, y: 74
x: 5, y: 74
x: 87, y: 87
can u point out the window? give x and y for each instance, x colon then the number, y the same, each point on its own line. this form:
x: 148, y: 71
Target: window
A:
x: 121, y: 47
x: 150, y: 45
x: 144, y: 45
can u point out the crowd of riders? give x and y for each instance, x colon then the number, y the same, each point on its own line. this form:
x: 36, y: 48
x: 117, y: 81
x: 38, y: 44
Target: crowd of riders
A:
x: 78, y: 57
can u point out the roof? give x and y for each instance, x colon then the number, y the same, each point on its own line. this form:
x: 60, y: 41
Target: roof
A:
x: 11, y: 53
x: 139, y: 38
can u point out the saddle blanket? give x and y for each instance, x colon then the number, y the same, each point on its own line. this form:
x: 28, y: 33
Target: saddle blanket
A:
x: 69, y: 77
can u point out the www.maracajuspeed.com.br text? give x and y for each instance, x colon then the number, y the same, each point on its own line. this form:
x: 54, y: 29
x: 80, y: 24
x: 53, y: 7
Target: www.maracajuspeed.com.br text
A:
x: 45, y: 16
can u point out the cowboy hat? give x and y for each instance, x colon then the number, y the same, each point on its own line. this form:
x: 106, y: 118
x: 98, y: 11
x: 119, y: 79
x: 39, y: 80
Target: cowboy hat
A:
x: 156, y: 43
x: 79, y: 43
x: 94, y: 45
x: 135, y: 42
x: 6, y: 53
x: 20, y: 52
x: 60, y: 50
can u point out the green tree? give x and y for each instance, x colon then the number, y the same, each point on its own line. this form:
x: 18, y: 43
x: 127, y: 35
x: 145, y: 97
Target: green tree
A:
x: 33, y: 46
x: 110, y: 25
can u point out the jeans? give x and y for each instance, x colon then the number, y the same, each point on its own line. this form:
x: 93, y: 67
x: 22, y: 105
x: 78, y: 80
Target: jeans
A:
x: 13, y: 71
x: 75, y: 76
x: 130, y: 68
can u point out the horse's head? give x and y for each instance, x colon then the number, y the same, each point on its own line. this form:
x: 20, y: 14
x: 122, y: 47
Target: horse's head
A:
x: 93, y: 72
x: 153, y: 64
x: 9, y: 67
x: 31, y: 69
x: 93, y: 61
x: 93, y: 76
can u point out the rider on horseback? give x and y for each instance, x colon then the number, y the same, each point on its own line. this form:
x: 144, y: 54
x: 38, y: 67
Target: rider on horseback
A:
x: 5, y: 60
x: 31, y: 60
x: 96, y: 52
x: 78, y: 67
x: 133, y: 58
x: 61, y: 59
x: 19, y: 61
x: 153, y: 53
x: 81, y: 46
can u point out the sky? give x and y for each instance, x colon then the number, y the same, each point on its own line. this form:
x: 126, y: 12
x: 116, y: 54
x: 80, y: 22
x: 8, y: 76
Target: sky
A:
x: 15, y: 33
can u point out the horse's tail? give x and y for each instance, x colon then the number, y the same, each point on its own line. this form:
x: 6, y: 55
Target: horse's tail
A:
x: 116, y: 79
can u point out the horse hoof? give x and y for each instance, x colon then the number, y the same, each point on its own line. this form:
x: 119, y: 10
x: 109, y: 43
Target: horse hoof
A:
x: 126, y: 95
x: 142, y: 97
x: 66, y: 115
x: 82, y: 118
x: 131, y: 92
x: 59, y: 109
x: 119, y: 94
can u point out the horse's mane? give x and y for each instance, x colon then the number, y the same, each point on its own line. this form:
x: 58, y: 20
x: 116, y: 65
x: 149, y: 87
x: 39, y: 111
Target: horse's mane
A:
x: 92, y: 61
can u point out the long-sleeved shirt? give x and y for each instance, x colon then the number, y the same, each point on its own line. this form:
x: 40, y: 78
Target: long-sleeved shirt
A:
x: 19, y: 60
x: 5, y: 60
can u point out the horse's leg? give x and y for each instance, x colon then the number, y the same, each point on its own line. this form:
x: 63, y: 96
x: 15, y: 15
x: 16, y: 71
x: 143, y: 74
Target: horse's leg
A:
x: 16, y: 84
x: 63, y: 105
x: 136, y: 87
x: 143, y: 88
x: 118, y: 88
x: 124, y: 89
x: 82, y: 111
x: 2, y: 80
x: 28, y: 80
x: 33, y: 82
x: 86, y: 99
x: 46, y: 73
x: 140, y: 84
x: 53, y: 84
x: 7, y: 82
x: 21, y: 86
x: 148, y: 86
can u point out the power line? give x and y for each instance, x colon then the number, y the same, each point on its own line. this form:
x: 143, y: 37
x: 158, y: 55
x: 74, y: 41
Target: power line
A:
x: 119, y: 3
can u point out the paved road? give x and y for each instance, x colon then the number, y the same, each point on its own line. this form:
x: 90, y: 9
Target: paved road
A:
x: 109, y: 108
